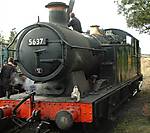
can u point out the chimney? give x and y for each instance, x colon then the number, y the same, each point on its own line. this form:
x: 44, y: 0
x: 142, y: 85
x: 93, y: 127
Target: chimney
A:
x: 94, y: 30
x: 58, y: 13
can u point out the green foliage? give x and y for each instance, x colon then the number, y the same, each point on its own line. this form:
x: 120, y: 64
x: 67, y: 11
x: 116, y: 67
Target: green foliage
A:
x: 11, y: 37
x: 2, y: 40
x: 137, y: 13
x: 5, y: 43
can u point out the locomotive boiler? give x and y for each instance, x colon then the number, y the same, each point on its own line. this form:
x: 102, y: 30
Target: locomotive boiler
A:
x: 79, y: 78
x: 58, y: 56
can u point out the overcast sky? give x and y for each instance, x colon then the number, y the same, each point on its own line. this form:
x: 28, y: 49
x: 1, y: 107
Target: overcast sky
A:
x: 21, y: 13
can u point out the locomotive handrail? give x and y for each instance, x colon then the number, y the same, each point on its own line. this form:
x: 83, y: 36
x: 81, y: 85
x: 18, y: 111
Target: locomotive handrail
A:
x: 21, y: 102
x: 51, y: 60
x: 77, y: 47
x: 96, y: 38
x: 40, y: 50
x: 18, y: 35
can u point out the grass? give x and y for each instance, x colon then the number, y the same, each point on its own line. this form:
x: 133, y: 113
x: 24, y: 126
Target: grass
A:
x: 133, y: 125
x: 133, y: 120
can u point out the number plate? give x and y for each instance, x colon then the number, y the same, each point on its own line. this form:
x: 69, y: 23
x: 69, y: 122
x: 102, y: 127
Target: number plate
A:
x: 36, y: 41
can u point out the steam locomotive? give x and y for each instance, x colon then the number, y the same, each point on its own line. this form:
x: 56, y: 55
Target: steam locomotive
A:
x: 79, y: 78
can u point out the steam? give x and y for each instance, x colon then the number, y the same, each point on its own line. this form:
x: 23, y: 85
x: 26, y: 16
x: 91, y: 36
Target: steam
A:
x: 29, y: 85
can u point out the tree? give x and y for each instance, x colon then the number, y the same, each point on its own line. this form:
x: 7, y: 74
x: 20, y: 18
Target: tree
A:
x: 137, y: 13
x: 11, y: 37
x: 2, y: 40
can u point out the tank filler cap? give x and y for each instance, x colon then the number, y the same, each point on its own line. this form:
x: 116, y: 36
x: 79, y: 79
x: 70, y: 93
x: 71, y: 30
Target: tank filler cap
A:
x: 94, y: 30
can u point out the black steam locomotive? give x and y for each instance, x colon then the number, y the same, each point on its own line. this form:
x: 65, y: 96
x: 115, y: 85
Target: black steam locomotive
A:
x: 79, y: 78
